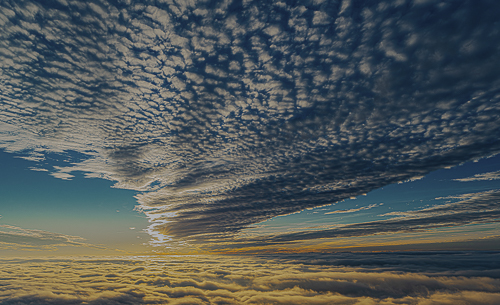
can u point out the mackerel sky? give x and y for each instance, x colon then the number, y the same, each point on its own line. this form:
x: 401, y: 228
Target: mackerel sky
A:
x: 194, y: 124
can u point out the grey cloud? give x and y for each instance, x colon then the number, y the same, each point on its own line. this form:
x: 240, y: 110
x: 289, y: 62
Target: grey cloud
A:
x: 224, y: 115
x: 468, y: 203
x: 439, y: 263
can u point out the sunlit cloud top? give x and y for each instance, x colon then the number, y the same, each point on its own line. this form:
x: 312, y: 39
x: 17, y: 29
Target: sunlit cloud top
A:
x: 389, y: 279
x: 225, y: 114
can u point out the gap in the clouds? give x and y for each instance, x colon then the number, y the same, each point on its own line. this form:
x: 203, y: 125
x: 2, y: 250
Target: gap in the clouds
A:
x: 86, y: 207
x: 400, y: 197
x: 62, y: 159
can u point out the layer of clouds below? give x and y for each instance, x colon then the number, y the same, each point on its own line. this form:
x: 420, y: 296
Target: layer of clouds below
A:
x: 239, y: 280
x: 225, y: 114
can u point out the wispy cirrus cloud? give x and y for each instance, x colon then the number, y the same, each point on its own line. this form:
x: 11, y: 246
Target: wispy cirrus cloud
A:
x: 481, y: 177
x: 12, y: 238
x: 466, y: 209
x: 226, y: 114
x: 368, y: 207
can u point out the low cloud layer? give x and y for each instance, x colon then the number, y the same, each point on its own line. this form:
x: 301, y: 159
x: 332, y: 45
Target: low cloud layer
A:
x: 225, y: 114
x: 269, y: 280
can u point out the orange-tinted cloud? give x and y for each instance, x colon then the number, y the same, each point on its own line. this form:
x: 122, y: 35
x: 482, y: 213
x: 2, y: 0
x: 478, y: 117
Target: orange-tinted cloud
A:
x: 383, y: 279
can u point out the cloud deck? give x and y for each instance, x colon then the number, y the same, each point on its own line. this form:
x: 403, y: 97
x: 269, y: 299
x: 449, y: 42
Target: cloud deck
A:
x: 391, y: 278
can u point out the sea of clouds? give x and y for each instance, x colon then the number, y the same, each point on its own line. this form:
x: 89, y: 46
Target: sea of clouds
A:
x: 345, y: 278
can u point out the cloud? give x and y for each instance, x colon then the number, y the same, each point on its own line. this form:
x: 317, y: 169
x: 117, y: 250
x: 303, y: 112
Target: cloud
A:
x: 481, y: 177
x: 371, y: 206
x: 469, y: 203
x: 474, y: 208
x: 15, y: 238
x: 437, y: 263
x: 244, y: 280
x: 38, y: 169
x: 226, y: 115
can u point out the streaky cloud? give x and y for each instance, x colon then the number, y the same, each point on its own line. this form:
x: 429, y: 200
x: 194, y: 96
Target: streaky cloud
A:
x: 371, y: 206
x: 481, y: 177
x: 16, y: 238
x: 475, y: 208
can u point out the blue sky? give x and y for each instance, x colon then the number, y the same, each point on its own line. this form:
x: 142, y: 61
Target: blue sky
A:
x: 87, y: 208
x: 204, y: 123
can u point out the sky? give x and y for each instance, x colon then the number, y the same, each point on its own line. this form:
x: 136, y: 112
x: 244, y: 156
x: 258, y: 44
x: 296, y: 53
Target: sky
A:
x: 248, y: 127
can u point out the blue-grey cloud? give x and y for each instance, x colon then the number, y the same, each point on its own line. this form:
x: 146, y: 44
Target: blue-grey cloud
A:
x: 436, y: 263
x: 224, y: 114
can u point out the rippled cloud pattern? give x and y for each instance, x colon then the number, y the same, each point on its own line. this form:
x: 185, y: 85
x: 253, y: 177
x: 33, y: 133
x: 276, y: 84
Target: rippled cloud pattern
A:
x: 223, y: 114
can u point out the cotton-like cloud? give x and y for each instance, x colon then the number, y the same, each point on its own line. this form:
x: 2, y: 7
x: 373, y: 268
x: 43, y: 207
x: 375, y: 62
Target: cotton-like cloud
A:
x: 242, y: 280
x: 226, y: 114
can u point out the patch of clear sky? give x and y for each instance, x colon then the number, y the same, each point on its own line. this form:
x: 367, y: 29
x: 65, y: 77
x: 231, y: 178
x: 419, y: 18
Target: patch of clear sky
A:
x: 88, y: 208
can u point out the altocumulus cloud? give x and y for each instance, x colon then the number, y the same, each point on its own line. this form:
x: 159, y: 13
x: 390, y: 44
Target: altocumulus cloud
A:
x: 234, y: 280
x: 224, y: 114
